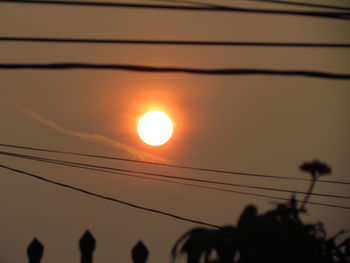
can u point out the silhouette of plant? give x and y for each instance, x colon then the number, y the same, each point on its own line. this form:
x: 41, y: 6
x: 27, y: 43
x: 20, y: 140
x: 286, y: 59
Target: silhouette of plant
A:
x: 277, y: 236
x: 202, y: 242
x: 316, y: 170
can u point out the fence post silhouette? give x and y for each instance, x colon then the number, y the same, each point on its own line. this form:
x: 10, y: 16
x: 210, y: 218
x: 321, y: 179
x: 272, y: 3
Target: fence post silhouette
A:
x: 35, y: 251
x: 87, y: 245
x: 139, y: 253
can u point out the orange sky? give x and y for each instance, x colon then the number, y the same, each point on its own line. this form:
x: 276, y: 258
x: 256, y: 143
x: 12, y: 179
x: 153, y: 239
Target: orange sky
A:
x: 257, y: 124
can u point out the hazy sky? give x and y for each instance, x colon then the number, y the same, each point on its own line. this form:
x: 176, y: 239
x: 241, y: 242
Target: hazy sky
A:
x: 258, y: 124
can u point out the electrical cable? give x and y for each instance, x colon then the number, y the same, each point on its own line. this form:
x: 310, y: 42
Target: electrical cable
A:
x: 130, y: 174
x: 282, y: 2
x: 63, y: 163
x: 156, y: 211
x: 334, y: 15
x: 154, y: 69
x: 172, y: 42
x: 174, y: 177
x: 168, y: 165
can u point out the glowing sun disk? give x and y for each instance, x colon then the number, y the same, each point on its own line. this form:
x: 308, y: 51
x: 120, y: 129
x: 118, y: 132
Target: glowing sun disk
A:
x: 155, y: 128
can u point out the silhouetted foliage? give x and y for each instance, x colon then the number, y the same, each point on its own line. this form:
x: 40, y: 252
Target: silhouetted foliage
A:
x: 277, y: 236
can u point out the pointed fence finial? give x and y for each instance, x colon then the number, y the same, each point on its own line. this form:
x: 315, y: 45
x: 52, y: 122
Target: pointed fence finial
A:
x: 87, y: 245
x: 35, y: 251
x: 139, y: 253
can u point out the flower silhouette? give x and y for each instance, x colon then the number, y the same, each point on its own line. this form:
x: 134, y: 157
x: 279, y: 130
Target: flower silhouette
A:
x: 316, y: 170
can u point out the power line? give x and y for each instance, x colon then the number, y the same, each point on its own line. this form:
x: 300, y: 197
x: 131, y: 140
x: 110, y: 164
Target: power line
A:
x: 172, y: 42
x: 168, y: 165
x: 64, y: 163
x: 37, y: 158
x: 196, y: 3
x: 335, y: 15
x: 109, y: 198
x: 153, y: 69
x: 82, y: 166
x: 343, y: 8
x: 129, y: 174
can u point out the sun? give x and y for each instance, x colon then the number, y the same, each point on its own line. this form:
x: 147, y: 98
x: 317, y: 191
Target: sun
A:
x: 155, y: 128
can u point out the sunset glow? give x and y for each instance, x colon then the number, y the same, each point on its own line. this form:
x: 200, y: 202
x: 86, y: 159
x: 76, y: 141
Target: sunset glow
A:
x: 155, y: 128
